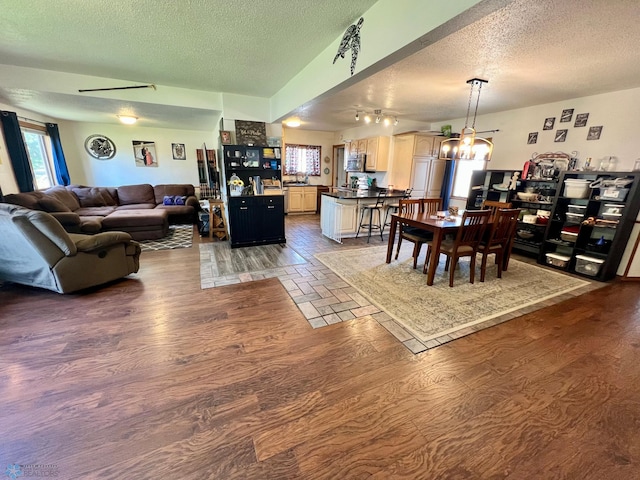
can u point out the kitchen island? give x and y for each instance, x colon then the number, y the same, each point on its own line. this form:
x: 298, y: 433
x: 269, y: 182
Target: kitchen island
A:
x: 340, y: 213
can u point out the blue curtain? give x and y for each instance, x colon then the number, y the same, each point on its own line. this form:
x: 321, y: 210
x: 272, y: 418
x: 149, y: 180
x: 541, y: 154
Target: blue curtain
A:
x: 447, y: 183
x: 17, y: 151
x: 59, y: 162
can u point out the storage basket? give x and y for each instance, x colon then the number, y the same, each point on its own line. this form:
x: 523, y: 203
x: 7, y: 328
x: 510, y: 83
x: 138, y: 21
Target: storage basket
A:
x: 557, y: 260
x: 588, y: 265
x: 576, y: 188
x: 614, y: 193
x: 577, y: 209
x: 574, y: 218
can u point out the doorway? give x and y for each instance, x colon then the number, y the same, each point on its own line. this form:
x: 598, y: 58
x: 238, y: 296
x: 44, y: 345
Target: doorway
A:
x: 339, y: 177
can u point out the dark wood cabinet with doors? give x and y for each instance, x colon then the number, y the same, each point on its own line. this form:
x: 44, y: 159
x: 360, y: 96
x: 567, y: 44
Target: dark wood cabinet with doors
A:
x: 256, y: 220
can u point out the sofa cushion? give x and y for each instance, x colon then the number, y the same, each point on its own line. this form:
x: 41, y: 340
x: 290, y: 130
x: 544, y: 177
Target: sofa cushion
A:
x: 132, y: 194
x: 137, y: 206
x: 30, y: 200
x: 90, y: 224
x: 51, y: 204
x: 65, y: 196
x: 95, y: 211
x: 90, y: 197
x: 183, y: 190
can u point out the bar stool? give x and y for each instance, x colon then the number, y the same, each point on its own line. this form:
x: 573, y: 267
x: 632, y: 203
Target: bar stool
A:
x: 395, y: 207
x: 382, y: 193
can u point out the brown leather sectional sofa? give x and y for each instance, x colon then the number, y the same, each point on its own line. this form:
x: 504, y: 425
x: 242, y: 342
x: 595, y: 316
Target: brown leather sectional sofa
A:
x: 143, y: 211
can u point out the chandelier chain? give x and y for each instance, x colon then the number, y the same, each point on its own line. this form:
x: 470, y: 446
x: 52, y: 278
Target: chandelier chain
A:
x: 477, y: 103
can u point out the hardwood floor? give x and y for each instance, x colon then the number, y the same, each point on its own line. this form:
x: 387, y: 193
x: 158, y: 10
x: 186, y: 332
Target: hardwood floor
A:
x: 152, y: 377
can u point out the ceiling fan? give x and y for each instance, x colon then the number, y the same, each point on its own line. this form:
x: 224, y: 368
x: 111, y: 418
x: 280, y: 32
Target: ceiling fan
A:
x: 117, y: 88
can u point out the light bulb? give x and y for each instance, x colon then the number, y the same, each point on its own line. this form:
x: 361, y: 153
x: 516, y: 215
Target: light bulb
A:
x: 395, y: 121
x: 357, y: 116
x: 367, y: 119
x: 127, y: 119
x: 387, y: 121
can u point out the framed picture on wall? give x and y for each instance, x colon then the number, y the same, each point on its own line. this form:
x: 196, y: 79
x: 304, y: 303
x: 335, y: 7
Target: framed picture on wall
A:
x: 566, y: 115
x: 144, y: 153
x: 549, y: 123
x: 581, y: 120
x: 178, y: 151
x: 225, y: 137
x: 594, y: 133
x: 533, y: 138
x: 561, y: 135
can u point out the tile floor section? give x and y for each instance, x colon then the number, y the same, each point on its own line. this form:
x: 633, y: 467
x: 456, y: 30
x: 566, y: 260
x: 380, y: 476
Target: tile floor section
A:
x: 325, y: 299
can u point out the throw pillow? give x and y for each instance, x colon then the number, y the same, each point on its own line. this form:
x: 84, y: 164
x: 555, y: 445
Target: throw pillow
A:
x: 180, y: 199
x: 49, y: 204
x: 168, y: 200
x: 90, y: 197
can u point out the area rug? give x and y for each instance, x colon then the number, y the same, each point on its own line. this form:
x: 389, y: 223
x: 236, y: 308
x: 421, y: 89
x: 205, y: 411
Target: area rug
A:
x: 179, y: 236
x: 433, y: 312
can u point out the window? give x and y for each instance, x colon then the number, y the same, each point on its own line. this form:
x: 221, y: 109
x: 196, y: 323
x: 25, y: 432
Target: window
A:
x: 38, y: 148
x: 304, y: 159
x: 462, y: 179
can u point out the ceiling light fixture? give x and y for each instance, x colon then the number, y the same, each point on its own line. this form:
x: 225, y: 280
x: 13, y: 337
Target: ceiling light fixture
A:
x: 468, y: 146
x: 127, y: 119
x: 293, y: 122
x: 377, y: 116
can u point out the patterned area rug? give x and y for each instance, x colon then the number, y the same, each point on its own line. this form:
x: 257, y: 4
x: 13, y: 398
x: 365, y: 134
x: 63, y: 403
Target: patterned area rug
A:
x: 179, y: 236
x: 434, y: 312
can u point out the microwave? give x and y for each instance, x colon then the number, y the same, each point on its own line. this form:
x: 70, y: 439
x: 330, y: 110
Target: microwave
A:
x: 355, y: 163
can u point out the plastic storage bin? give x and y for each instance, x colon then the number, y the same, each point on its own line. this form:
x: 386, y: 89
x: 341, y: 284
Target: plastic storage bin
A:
x: 588, y: 265
x: 577, y: 209
x: 576, y: 188
x: 574, y: 218
x: 557, y: 260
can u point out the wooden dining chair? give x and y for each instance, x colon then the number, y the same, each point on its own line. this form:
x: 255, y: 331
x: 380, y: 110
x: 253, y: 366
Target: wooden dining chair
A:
x: 469, y: 236
x: 498, y: 242
x: 416, y: 235
x: 494, y: 206
x: 394, y: 207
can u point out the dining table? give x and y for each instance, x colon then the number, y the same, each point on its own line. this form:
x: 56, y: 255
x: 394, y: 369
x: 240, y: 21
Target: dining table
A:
x: 431, y: 223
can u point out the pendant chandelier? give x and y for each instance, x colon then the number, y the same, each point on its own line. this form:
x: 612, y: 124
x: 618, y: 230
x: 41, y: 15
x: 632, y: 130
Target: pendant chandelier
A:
x: 468, y: 146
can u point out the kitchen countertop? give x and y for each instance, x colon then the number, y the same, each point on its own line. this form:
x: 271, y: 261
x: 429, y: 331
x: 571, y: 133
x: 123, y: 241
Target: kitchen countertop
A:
x: 351, y: 194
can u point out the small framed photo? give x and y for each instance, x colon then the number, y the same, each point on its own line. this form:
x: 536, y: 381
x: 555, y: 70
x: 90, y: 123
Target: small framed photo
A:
x: 253, y: 157
x: 566, y: 115
x: 225, y: 137
x: 533, y: 138
x: 594, y: 133
x: 581, y: 120
x: 178, y: 151
x: 561, y: 135
x: 549, y: 123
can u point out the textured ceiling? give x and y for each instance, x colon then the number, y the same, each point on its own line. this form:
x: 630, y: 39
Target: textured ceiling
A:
x: 531, y: 52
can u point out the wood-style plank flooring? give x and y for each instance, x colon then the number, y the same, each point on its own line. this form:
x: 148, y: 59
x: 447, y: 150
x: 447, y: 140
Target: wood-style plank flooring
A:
x: 152, y: 377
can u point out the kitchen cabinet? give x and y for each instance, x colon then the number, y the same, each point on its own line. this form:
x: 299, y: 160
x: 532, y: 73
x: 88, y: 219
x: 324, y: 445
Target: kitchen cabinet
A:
x: 377, y: 154
x: 376, y: 149
x: 302, y: 199
x: 591, y: 231
x: 256, y: 220
x: 416, y: 165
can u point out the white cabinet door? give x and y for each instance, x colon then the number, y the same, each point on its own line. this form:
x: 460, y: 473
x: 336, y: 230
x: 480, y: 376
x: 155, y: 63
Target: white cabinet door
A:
x: 436, y: 176
x: 402, y: 160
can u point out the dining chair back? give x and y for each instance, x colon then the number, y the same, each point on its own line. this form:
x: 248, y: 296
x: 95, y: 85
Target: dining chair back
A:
x: 494, y: 206
x: 468, y: 238
x: 376, y: 207
x: 499, y: 239
x: 431, y: 205
x: 415, y: 235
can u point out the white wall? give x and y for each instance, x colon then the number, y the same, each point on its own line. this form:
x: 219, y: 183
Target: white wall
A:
x: 617, y: 112
x: 122, y: 170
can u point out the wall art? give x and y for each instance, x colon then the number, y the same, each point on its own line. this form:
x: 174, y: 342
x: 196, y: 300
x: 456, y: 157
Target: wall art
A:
x: 549, y: 123
x: 225, y: 137
x: 533, y: 138
x: 594, y: 133
x: 100, y: 147
x: 581, y: 120
x: 561, y: 135
x: 251, y: 133
x: 144, y: 153
x: 178, y: 151
x: 566, y: 115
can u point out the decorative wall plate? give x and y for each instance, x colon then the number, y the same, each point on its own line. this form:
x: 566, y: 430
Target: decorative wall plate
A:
x: 327, y: 171
x: 100, y: 147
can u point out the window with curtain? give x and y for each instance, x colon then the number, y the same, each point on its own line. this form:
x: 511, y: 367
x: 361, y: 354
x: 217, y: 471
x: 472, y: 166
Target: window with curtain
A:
x: 462, y: 178
x: 302, y: 159
x: 38, y: 147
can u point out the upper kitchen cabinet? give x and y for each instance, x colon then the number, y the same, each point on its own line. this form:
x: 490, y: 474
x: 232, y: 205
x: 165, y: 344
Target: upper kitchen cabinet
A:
x: 376, y: 150
x: 377, y: 154
x: 416, y: 164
